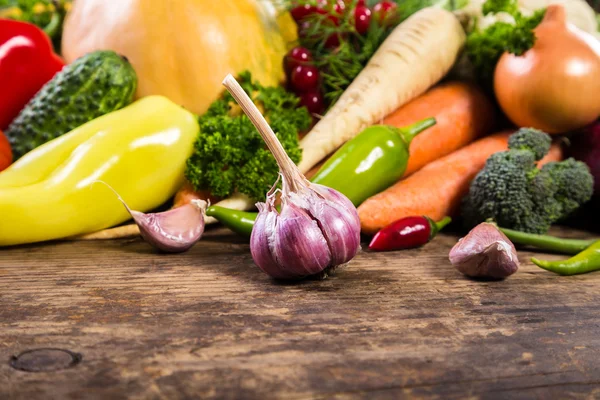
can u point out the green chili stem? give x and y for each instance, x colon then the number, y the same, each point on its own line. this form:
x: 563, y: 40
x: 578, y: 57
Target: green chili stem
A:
x: 438, y: 226
x: 409, y: 132
x: 546, y: 242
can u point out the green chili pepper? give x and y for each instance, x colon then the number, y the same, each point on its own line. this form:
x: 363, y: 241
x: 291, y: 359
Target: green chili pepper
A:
x: 372, y: 161
x: 546, y: 242
x: 241, y: 222
x: 586, y: 261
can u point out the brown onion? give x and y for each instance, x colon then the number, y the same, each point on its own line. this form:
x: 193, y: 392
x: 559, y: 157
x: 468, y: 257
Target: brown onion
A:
x: 554, y: 86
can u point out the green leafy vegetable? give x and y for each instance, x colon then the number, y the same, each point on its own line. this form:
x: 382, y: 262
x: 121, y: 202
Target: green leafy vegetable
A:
x: 513, y: 192
x: 230, y: 155
x: 484, y: 47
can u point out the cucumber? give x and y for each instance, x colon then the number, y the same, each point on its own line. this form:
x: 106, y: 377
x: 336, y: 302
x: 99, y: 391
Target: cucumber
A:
x: 93, y: 85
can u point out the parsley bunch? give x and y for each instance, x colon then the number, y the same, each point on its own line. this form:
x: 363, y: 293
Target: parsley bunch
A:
x: 229, y: 154
x: 485, y: 47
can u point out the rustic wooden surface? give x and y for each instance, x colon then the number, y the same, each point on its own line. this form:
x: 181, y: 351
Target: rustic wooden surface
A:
x: 209, y: 324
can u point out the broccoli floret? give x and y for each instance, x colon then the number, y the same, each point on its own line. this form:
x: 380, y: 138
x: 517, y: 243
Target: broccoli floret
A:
x: 516, y: 194
x: 531, y: 139
x: 575, y: 184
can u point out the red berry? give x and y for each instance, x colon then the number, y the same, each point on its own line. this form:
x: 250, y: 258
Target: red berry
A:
x: 305, y: 78
x: 313, y: 101
x: 297, y: 56
x: 362, y: 19
x: 335, y: 21
x: 332, y: 41
x: 384, y: 12
x: 303, y: 11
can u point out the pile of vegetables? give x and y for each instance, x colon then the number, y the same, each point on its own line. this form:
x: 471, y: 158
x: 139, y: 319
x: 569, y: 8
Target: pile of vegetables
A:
x: 337, y: 117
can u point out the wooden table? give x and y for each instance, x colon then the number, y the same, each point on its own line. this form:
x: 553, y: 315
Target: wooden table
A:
x: 209, y: 324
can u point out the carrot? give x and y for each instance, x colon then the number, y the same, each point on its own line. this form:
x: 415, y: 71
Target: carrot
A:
x: 462, y: 113
x: 438, y: 188
x: 416, y: 55
x: 186, y: 194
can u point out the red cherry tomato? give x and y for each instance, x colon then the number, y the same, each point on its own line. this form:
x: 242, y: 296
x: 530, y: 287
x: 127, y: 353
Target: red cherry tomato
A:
x: 313, y: 101
x: 297, y: 56
x: 384, y: 12
x: 305, y: 78
x: 362, y: 19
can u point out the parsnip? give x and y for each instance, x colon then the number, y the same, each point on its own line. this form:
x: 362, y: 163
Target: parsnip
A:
x: 416, y: 55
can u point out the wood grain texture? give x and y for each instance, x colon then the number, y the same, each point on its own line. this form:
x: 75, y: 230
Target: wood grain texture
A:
x: 209, y: 324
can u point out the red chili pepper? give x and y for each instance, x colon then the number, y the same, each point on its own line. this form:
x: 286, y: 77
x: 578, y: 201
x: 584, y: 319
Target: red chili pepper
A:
x: 407, y: 233
x: 27, y: 62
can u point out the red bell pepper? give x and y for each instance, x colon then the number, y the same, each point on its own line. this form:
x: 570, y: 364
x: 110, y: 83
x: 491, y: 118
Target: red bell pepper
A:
x: 5, y: 152
x: 407, y: 233
x: 27, y: 62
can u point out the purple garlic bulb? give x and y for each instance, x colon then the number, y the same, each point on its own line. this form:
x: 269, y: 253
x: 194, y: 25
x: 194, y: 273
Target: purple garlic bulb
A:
x: 317, y: 229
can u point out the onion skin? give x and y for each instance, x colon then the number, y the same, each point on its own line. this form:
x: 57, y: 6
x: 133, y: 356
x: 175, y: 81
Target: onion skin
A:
x: 554, y: 86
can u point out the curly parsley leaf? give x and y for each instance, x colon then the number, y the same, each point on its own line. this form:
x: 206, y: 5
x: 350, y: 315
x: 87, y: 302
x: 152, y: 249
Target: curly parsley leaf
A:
x: 229, y: 154
x: 485, y: 47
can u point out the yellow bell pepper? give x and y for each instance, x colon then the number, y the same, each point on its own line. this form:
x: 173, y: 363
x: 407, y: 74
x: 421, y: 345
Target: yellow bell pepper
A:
x: 53, y: 192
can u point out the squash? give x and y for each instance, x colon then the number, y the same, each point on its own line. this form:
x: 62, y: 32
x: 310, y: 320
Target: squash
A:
x: 183, y: 49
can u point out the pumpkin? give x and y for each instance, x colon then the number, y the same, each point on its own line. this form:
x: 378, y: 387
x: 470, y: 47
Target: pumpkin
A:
x: 183, y: 49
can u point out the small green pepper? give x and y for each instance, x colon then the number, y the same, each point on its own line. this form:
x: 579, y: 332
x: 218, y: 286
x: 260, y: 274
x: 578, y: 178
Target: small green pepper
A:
x: 371, y: 162
x: 586, y: 261
x: 241, y: 222
x: 363, y: 167
x: 546, y: 242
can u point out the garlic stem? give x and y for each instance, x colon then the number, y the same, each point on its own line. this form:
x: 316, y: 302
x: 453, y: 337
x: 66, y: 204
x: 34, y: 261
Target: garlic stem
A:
x: 294, y: 178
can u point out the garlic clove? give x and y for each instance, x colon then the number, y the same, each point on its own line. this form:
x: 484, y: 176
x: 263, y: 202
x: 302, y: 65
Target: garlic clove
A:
x: 259, y: 243
x: 337, y: 197
x: 298, y: 244
x: 172, y: 231
x: 338, y: 227
x: 485, y: 252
